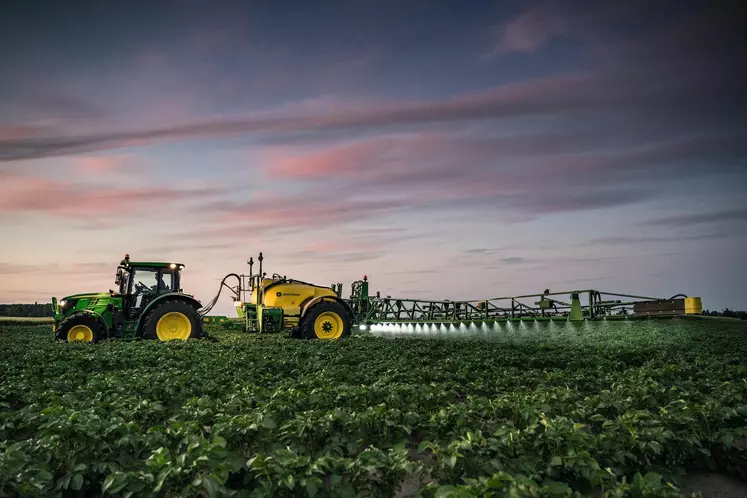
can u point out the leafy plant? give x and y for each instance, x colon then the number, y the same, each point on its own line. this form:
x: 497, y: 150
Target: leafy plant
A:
x: 610, y: 410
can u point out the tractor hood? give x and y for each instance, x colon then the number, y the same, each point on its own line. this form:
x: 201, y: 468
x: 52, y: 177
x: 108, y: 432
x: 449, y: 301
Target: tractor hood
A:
x: 80, y: 301
x: 87, y: 295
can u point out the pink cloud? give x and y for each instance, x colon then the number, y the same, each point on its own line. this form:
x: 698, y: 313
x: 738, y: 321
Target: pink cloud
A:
x: 413, y: 169
x: 103, y: 164
x: 449, y: 171
x: 342, y: 160
x: 303, y: 210
x: 578, y: 91
x: 533, y: 28
x: 20, y: 131
x: 26, y: 194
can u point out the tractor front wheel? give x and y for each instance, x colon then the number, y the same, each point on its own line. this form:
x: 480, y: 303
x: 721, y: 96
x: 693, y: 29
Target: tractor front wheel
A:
x: 326, y: 320
x: 80, y: 328
x: 172, y: 321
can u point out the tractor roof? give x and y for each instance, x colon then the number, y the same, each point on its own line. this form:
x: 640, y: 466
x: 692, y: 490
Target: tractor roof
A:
x: 157, y: 264
x: 150, y: 264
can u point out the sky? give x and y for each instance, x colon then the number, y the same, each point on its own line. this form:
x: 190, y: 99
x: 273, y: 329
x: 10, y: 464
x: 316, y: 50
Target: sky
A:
x: 445, y: 149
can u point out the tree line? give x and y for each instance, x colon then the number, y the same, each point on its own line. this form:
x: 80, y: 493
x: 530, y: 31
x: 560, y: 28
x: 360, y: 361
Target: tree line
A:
x: 742, y: 315
x: 26, y: 310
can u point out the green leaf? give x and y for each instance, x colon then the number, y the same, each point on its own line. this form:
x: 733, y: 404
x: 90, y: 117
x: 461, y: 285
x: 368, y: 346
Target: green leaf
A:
x: 44, y: 476
x: 212, y: 487
x: 556, y: 488
x: 76, y: 483
x: 312, y: 488
x: 424, y: 445
x: 652, y: 478
x: 114, y: 483
x: 161, y: 479
x: 63, y: 482
x: 727, y: 440
x: 445, y: 491
x: 108, y: 481
x: 290, y: 481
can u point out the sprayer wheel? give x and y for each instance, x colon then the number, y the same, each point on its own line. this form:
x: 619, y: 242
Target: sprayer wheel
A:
x: 326, y: 321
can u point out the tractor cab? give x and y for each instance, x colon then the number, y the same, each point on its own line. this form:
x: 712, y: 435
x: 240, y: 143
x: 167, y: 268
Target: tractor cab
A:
x: 140, y: 283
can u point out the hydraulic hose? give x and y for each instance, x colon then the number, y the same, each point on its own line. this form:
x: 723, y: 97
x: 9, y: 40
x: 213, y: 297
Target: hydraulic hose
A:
x: 209, y: 306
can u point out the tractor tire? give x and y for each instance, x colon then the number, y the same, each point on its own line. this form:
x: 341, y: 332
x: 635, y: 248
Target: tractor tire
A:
x: 172, y: 320
x: 326, y: 321
x: 80, y: 327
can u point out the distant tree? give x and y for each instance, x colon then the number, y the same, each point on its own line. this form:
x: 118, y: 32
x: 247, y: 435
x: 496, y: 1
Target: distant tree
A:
x: 26, y: 310
x: 726, y: 312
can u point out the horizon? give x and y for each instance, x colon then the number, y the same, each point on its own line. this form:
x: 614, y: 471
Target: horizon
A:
x: 446, y: 151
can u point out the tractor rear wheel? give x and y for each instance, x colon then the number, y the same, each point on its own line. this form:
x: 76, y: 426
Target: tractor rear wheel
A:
x: 172, y: 321
x: 328, y: 321
x: 80, y: 328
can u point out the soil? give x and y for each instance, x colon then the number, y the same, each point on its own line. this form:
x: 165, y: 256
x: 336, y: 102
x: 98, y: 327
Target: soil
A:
x: 710, y: 486
x: 715, y: 486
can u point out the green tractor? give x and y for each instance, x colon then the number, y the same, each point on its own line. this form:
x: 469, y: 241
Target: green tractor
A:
x: 148, y: 303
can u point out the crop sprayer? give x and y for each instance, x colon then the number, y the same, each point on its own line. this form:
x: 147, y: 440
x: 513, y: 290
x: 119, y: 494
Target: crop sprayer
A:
x: 150, y: 303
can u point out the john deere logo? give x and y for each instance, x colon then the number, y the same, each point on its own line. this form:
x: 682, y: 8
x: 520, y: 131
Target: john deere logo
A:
x: 289, y: 294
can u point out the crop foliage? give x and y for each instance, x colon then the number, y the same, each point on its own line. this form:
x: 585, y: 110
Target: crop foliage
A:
x: 613, y: 410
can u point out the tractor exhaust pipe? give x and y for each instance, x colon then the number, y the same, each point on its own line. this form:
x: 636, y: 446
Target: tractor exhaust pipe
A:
x: 259, y: 278
x: 251, y: 278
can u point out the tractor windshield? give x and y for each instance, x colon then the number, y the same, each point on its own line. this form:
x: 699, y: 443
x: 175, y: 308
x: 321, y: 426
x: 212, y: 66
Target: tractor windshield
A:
x: 147, y: 283
x: 152, y: 280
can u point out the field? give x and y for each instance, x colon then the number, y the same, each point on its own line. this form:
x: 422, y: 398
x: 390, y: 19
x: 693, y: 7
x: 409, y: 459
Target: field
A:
x: 25, y: 320
x: 630, y: 409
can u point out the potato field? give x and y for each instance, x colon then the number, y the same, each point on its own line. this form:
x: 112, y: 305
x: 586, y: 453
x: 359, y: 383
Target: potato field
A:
x: 606, y: 410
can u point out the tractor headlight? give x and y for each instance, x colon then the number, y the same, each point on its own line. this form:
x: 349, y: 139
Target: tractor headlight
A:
x: 68, y: 304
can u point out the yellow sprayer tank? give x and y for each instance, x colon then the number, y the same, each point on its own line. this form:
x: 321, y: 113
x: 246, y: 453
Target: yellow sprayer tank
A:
x: 290, y: 296
x: 305, y: 310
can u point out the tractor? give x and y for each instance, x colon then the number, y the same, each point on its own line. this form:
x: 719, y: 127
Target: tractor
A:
x: 148, y: 303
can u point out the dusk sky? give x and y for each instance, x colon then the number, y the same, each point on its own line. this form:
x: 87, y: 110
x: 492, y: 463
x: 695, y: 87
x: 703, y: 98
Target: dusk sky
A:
x: 459, y: 150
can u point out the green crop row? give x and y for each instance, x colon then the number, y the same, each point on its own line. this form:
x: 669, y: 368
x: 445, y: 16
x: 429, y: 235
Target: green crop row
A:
x: 25, y: 320
x: 614, y: 410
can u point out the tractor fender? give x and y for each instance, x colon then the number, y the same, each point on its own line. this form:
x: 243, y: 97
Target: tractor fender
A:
x: 172, y: 296
x: 95, y: 315
x: 319, y: 299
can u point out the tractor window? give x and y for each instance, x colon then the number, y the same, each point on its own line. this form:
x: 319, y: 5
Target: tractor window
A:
x: 153, y: 280
x: 144, y: 286
x: 144, y: 281
x: 167, y: 285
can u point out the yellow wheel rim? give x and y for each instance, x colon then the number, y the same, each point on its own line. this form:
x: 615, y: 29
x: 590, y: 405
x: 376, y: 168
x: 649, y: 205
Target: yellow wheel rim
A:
x: 174, y: 326
x: 80, y: 333
x: 328, y: 325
